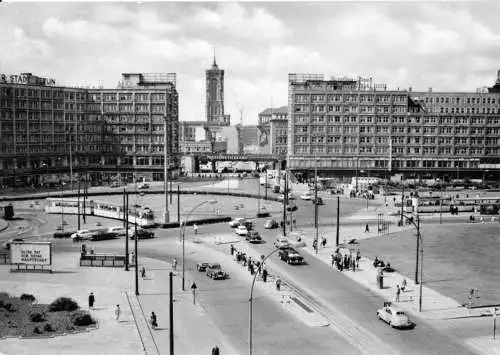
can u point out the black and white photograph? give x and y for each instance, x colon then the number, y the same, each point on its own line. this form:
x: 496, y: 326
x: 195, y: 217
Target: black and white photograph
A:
x: 250, y: 178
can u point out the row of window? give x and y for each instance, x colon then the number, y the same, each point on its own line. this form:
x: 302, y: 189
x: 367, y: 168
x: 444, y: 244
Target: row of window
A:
x: 385, y: 150
x: 382, y: 97
x: 301, y: 119
x: 463, y: 100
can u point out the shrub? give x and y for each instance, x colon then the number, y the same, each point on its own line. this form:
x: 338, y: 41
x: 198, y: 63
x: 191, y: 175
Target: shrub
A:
x: 27, y: 297
x: 37, y: 317
x: 6, y: 305
x: 37, y: 330
x: 82, y: 318
x: 48, y: 328
x: 63, y: 304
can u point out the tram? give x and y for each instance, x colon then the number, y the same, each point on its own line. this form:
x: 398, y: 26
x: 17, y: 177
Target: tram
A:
x: 141, y: 215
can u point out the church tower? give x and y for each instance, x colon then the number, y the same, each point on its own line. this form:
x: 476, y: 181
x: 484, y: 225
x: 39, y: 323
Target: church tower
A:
x: 215, y: 96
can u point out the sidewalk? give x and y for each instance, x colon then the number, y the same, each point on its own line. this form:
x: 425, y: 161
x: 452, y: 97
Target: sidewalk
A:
x: 112, y: 286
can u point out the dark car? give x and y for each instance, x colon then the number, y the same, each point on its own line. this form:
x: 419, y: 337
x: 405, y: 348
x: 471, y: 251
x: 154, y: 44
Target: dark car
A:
x: 202, y: 267
x: 143, y: 234
x: 247, y: 224
x: 291, y: 256
x: 271, y: 224
x: 291, y: 207
x: 318, y: 201
x: 253, y: 237
x: 214, y: 271
x: 103, y: 235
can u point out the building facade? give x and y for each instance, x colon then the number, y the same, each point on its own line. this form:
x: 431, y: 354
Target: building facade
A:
x: 48, y: 130
x: 347, y: 125
x: 214, y: 100
x: 273, y: 131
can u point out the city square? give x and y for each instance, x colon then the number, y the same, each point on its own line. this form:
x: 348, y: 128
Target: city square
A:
x: 249, y: 178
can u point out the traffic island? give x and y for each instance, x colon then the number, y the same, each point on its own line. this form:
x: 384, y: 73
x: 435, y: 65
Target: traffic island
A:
x: 23, y: 317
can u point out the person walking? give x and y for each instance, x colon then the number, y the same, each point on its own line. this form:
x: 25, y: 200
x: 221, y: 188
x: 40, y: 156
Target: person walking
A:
x: 232, y: 249
x: 278, y: 284
x: 118, y: 311
x: 358, y: 257
x: 92, y: 251
x: 174, y: 264
x: 264, y: 275
x: 215, y: 350
x: 403, y: 285
x: 367, y: 228
x: 398, y: 292
x: 332, y: 259
x: 153, y: 320
x: 195, y: 227
x: 91, y: 300
x: 143, y: 272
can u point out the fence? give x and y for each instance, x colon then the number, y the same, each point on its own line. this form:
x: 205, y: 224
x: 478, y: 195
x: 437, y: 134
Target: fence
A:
x: 102, y: 260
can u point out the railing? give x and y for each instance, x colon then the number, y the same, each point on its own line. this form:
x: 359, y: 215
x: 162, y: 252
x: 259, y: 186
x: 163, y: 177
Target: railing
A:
x: 102, y: 260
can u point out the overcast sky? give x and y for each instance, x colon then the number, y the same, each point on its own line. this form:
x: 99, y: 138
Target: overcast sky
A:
x: 453, y: 46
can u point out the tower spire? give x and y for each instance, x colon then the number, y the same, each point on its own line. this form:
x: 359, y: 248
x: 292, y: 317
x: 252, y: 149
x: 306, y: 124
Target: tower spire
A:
x: 215, y: 62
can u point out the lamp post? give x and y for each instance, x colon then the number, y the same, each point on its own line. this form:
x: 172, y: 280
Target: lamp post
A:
x: 316, y: 201
x: 250, y: 325
x: 182, y: 231
x: 166, y: 217
x: 420, y: 249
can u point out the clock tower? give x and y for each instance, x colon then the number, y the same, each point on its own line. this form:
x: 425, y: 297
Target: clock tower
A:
x: 215, y: 96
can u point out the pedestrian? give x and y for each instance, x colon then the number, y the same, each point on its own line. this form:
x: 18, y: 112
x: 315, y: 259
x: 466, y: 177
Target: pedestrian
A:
x: 143, y: 272
x: 353, y: 263
x: 315, y: 244
x: 153, y: 320
x: 91, y: 300
x: 398, y: 292
x: 215, y: 350
x: 174, y: 264
x: 251, y: 269
x: 118, y: 311
x: 84, y: 249
x: 332, y: 259
x: 195, y: 227
x: 92, y: 251
x: 264, y: 275
x: 278, y: 284
x: 232, y: 249
x: 323, y: 241
x: 358, y: 257
x: 367, y: 228
x: 403, y: 285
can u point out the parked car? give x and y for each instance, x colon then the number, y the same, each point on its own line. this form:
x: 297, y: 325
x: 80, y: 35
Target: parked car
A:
x: 142, y: 234
x: 318, y: 201
x: 143, y: 186
x: 291, y: 256
x: 241, y: 231
x: 271, y: 224
x: 236, y: 222
x: 394, y: 316
x: 120, y: 231
x: 86, y: 234
x: 282, y: 243
x: 7, y: 244
x: 306, y: 197
x: 253, y: 237
x: 291, y: 207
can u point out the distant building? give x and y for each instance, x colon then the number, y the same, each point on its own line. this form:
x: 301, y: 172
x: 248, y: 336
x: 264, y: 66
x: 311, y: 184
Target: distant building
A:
x: 214, y: 100
x: 107, y: 132
x: 343, y: 125
x: 273, y: 131
x: 248, y: 138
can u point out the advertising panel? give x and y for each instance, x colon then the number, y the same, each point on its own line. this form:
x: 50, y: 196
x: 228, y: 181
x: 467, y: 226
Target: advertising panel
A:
x: 31, y: 253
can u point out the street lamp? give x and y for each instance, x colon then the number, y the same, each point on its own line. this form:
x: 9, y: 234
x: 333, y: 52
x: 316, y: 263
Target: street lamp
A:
x: 420, y: 248
x: 250, y: 326
x: 166, y: 217
x: 182, y: 232
x: 316, y: 200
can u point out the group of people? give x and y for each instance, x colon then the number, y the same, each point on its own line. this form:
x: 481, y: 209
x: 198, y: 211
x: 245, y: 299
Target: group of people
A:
x: 345, y: 261
x: 254, y: 266
x: 315, y: 242
x: 83, y: 251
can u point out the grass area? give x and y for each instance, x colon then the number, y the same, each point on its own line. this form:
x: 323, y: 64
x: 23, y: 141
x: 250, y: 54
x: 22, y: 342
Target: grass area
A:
x: 23, y: 317
x: 457, y: 258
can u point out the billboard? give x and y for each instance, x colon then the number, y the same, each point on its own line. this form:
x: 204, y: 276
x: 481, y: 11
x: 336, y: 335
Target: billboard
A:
x: 31, y: 253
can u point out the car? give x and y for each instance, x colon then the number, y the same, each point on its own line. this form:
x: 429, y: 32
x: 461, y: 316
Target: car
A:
x: 241, y: 231
x: 291, y: 256
x: 248, y: 224
x: 394, y: 316
x: 202, y: 267
x: 141, y: 234
x: 236, y: 222
x: 143, y: 186
x: 281, y: 197
x: 271, y: 224
x: 306, y: 197
x: 119, y: 231
x: 318, y: 201
x: 86, y: 234
x: 214, y: 271
x: 103, y: 235
x: 291, y: 207
x: 282, y: 243
x: 7, y: 244
x: 253, y: 237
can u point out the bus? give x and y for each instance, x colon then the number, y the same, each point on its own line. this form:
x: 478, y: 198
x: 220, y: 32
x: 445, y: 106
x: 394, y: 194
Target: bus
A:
x: 483, y: 205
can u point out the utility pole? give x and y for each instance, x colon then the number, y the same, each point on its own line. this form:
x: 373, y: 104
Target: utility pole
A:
x: 316, y: 202
x: 166, y: 216
x: 402, y: 199
x: 338, y: 221
x: 78, y: 203
x: 136, y: 257
x: 285, y: 198
x: 126, y: 230
x: 85, y: 198
x: 178, y: 204
x: 418, y: 249
x: 171, y: 312
x: 266, y: 185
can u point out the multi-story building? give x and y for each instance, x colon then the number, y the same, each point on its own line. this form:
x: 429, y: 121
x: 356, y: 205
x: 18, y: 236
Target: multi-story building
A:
x: 344, y: 125
x: 48, y: 130
x: 273, y: 131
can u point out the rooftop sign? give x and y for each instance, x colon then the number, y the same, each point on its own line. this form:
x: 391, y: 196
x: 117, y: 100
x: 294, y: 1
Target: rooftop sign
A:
x: 26, y: 79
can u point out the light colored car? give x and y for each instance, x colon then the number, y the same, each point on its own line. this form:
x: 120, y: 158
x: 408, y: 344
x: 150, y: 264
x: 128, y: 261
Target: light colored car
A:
x: 306, y: 197
x: 119, y: 231
x: 394, y: 316
x: 86, y: 234
x: 143, y: 186
x: 270, y: 224
x: 282, y: 243
x: 236, y: 222
x: 241, y: 231
x: 281, y: 197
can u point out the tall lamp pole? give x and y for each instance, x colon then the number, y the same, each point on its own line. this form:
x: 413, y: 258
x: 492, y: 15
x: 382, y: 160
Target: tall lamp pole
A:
x: 316, y: 200
x: 182, y: 231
